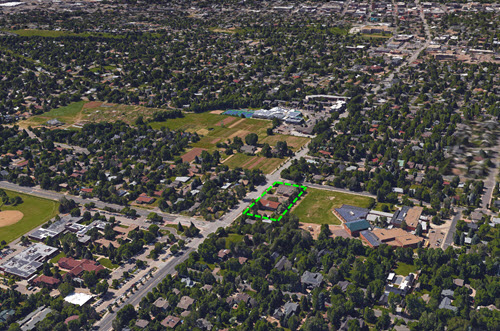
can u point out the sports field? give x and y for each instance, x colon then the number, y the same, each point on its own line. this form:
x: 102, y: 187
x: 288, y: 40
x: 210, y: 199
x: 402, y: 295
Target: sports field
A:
x: 317, y: 206
x: 35, y: 211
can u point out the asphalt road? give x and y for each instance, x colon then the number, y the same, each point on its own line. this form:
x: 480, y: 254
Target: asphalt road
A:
x: 448, y: 241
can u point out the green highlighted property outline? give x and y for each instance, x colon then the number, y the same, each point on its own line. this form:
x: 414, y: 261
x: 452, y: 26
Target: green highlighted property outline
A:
x: 264, y: 193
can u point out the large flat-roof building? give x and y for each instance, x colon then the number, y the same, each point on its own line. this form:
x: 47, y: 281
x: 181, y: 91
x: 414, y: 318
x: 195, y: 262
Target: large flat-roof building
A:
x: 27, y: 263
x: 347, y: 213
x: 394, y: 237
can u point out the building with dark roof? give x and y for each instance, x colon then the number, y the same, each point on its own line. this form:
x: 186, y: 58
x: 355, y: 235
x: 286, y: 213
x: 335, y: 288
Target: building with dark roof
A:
x: 399, y: 216
x: 355, y: 227
x: 371, y: 239
x: 446, y: 304
x: 283, y: 264
x: 348, y: 213
x: 311, y: 279
x: 285, y: 190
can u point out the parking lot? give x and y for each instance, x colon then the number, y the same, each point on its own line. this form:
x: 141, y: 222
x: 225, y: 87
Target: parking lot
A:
x: 436, y: 237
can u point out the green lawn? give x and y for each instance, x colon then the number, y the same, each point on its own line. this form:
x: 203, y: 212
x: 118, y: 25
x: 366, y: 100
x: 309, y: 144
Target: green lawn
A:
x: 192, y: 122
x: 107, y: 263
x: 379, y: 206
x: 56, y: 258
x: 233, y: 238
x: 317, y: 206
x: 66, y: 114
x: 404, y: 269
x: 36, y: 211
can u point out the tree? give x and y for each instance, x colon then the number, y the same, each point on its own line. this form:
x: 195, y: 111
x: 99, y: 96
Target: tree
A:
x: 252, y: 139
x: 383, y: 321
x: 65, y: 289
x: 418, y: 230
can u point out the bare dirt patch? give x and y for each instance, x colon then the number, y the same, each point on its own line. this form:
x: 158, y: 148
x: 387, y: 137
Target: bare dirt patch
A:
x: 92, y: 104
x: 216, y: 112
x: 228, y: 120
x: 189, y: 156
x: 9, y: 217
x: 315, y: 229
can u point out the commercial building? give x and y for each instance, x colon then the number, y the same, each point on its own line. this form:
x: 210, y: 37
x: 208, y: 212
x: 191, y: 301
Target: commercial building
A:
x: 355, y: 227
x: 392, y: 237
x: 347, y: 213
x: 29, y: 261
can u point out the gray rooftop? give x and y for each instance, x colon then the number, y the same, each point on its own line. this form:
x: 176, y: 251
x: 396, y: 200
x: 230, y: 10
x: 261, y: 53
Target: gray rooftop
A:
x: 352, y: 213
x: 26, y: 263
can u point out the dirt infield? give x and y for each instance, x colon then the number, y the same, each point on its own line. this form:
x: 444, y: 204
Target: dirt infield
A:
x: 189, y: 156
x: 228, y: 120
x: 92, y: 104
x: 9, y: 217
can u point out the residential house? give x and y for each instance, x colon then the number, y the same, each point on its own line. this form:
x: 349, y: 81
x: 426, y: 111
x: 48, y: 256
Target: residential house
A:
x: 269, y: 205
x: 311, y: 279
x: 185, y: 303
x: 170, y: 321
x: 161, y: 303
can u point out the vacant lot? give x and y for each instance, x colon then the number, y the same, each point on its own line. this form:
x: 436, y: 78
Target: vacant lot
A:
x: 253, y: 162
x: 36, y: 211
x: 317, y: 205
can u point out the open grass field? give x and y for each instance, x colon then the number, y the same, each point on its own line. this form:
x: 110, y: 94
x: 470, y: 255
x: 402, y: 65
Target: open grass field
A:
x: 233, y: 238
x: 107, y: 263
x: 67, y: 114
x: 56, y: 258
x: 404, y: 269
x: 36, y: 211
x: 317, y: 205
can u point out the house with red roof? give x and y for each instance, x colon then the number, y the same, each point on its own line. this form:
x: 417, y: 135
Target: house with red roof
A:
x: 269, y: 205
x: 46, y: 281
x: 77, y: 267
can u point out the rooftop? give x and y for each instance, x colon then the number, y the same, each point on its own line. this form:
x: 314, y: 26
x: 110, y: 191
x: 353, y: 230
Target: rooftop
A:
x: 78, y: 298
x: 352, y: 213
